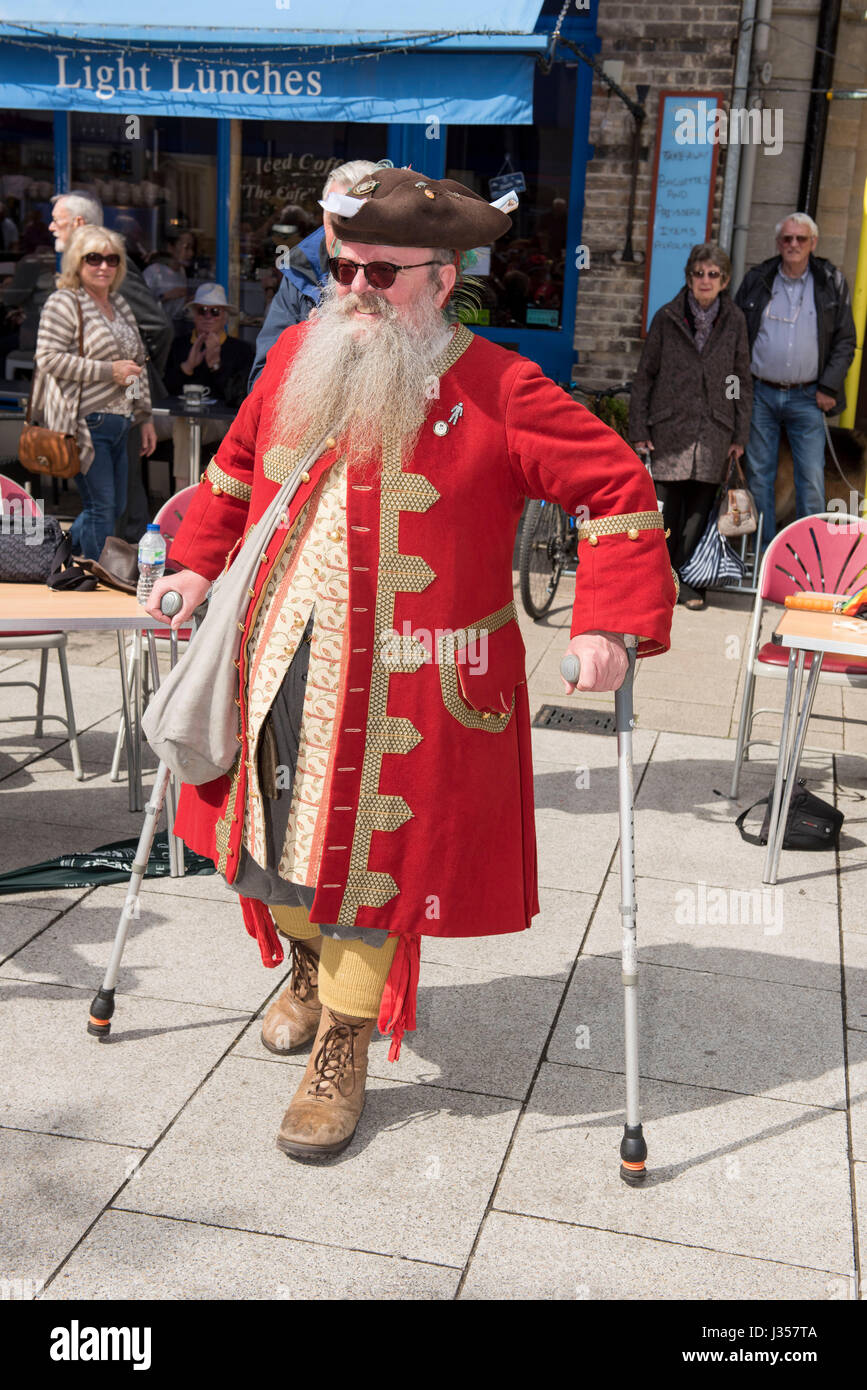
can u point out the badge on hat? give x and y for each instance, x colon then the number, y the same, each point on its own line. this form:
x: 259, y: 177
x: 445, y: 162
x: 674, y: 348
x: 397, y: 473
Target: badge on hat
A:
x: 366, y: 186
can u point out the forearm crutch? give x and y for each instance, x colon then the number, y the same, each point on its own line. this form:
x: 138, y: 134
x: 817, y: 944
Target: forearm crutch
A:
x: 633, y: 1149
x: 102, y: 1007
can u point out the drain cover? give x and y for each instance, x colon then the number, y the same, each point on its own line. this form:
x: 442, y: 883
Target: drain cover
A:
x: 578, y: 721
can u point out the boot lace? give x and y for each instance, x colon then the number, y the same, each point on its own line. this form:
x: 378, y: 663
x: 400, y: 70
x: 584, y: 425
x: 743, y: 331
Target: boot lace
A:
x: 335, y: 1061
x: 305, y: 966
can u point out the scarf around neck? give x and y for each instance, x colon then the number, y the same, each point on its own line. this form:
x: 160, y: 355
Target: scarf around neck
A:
x: 703, y: 319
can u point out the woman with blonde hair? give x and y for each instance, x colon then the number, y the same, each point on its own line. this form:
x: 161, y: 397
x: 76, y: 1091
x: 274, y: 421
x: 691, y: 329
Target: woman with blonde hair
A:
x: 91, y: 379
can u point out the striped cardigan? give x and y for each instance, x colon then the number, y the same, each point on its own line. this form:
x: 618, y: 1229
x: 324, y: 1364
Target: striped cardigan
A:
x: 62, y: 372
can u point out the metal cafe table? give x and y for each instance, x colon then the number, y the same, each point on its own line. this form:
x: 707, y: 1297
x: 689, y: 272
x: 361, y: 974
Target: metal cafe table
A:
x: 803, y: 631
x: 194, y: 412
x: 36, y: 608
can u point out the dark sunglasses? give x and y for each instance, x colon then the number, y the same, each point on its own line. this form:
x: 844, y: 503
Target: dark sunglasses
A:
x: 793, y: 237
x: 94, y: 258
x: 378, y: 274
x: 211, y: 309
x: 709, y: 274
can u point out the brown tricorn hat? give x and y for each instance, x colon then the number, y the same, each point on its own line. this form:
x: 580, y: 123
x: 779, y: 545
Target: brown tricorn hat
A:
x: 400, y: 207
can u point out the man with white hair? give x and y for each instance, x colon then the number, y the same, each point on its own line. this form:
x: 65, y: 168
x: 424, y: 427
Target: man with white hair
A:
x: 383, y: 787
x: 306, y: 270
x: 802, y: 340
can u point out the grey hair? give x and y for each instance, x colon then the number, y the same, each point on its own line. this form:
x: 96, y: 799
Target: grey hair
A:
x: 800, y: 217
x: 81, y: 204
x: 349, y: 174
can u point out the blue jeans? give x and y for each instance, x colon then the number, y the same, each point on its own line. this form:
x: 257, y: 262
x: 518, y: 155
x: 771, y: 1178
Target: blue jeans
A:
x: 103, y: 486
x: 795, y: 408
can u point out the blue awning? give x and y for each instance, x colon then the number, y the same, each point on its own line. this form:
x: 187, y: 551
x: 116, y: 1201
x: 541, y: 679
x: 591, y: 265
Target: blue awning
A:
x: 268, y: 84
x: 272, y: 22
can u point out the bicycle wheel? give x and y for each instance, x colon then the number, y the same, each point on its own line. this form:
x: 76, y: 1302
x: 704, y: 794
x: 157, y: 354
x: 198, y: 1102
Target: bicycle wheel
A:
x: 542, y: 556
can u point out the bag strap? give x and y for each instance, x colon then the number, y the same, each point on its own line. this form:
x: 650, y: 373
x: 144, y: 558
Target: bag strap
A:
x: 735, y: 476
x: 28, y: 411
x: 750, y: 839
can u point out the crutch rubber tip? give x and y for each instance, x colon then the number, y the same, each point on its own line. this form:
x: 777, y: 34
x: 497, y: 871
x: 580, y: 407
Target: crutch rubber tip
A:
x: 633, y: 1173
x: 101, y: 1010
x: 633, y: 1152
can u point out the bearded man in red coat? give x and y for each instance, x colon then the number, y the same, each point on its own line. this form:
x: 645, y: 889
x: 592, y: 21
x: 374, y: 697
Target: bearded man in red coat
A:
x: 383, y: 786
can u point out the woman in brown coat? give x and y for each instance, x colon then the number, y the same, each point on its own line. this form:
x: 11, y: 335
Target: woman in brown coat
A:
x: 691, y: 401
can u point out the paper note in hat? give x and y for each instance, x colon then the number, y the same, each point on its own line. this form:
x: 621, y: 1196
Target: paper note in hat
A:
x: 400, y: 207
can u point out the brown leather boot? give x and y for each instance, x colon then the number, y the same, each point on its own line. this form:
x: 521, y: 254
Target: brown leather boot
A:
x: 293, y: 1018
x: 327, y: 1106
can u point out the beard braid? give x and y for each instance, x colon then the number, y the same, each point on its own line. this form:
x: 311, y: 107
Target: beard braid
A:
x: 358, y: 382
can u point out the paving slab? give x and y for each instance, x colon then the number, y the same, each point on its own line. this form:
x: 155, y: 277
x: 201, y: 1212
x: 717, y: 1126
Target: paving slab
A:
x: 477, y: 1031
x: 855, y: 979
x: 20, y: 924
x: 715, y: 1164
x: 697, y: 836
x: 567, y: 748
x: 523, y: 1257
x: 856, y: 1045
x: 59, y: 1080
x: 860, y: 1179
x: 129, y: 1256
x: 767, y: 933
x: 415, y: 1181
x: 39, y: 794
x: 741, y: 1035
x: 574, y: 852
x: 546, y: 951
x: 53, y: 1189
x: 177, y: 948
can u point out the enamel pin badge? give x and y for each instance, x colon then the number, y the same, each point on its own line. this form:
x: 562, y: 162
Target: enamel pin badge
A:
x: 441, y: 427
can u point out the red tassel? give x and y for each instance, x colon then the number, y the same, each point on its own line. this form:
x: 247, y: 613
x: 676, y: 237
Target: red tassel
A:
x: 260, y: 924
x: 397, y: 1010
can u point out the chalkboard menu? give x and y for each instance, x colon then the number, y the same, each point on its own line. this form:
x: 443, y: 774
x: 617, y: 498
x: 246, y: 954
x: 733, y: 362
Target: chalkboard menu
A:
x: 681, y: 200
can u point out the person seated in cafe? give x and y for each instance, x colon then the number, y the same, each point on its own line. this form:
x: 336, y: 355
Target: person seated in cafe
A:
x: 206, y: 355
x: 166, y: 277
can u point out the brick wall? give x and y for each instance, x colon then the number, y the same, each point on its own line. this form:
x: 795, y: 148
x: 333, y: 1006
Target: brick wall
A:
x: 692, y: 46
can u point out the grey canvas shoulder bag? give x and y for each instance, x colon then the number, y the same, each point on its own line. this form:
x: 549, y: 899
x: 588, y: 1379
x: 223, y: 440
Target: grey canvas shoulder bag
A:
x: 192, y: 721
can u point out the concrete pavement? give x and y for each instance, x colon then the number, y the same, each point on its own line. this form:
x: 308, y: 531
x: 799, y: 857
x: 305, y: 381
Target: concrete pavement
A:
x: 486, y: 1163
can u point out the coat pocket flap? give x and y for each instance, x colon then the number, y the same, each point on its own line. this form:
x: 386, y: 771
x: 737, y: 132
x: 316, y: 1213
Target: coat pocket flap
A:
x: 490, y: 666
x: 480, y: 666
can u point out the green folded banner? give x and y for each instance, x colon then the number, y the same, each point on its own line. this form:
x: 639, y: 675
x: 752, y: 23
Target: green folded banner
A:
x: 107, y: 864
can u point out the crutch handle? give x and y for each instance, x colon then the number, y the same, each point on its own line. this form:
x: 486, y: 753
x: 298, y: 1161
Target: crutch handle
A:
x: 570, y: 668
x: 171, y: 603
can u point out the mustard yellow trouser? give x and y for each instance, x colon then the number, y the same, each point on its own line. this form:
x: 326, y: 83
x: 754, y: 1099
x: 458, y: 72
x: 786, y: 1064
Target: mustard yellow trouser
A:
x: 352, y: 975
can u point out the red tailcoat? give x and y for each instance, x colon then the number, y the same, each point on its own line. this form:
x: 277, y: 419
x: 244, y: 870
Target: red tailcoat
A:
x: 430, y: 806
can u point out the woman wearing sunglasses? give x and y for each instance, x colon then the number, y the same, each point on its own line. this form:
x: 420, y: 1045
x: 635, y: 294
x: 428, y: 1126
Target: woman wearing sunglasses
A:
x: 691, y: 401
x: 98, y: 390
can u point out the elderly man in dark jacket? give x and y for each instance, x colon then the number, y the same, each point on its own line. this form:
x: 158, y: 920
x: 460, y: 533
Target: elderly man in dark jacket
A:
x: 306, y: 270
x: 802, y: 341
x: 691, y: 400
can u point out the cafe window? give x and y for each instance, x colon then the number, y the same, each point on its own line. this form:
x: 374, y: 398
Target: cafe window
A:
x: 26, y: 180
x: 284, y: 165
x: 156, y: 178
x: 522, y: 277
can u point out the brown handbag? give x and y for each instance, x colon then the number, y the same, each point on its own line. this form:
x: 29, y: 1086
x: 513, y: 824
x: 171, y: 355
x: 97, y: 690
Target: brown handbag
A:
x: 48, y: 451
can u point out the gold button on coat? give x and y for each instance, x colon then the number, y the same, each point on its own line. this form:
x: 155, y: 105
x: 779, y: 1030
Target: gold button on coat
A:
x: 330, y: 442
x: 632, y: 533
x: 593, y: 539
x: 305, y: 477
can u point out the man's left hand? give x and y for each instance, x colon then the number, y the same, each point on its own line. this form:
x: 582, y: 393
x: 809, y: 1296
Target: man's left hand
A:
x: 825, y: 402
x: 603, y: 661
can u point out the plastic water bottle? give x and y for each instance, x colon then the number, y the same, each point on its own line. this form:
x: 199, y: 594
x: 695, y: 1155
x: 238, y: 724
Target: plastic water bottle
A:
x: 151, y: 561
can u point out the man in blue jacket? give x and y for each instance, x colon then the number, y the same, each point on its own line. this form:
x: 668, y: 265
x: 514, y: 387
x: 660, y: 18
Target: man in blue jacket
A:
x: 306, y: 271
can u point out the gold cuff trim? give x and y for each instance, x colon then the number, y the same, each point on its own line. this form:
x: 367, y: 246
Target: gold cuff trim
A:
x: 625, y: 523
x: 221, y: 481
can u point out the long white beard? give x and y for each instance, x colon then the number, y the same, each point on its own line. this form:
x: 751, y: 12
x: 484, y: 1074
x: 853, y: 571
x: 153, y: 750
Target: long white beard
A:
x: 359, y: 382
